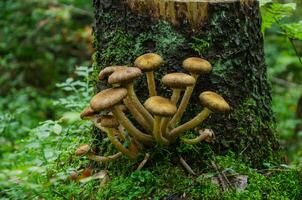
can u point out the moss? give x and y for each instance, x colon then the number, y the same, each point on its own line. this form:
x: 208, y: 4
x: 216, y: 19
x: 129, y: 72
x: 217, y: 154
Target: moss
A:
x: 169, y: 181
x: 199, y: 44
x: 165, y: 181
x: 251, y: 126
x: 280, y: 183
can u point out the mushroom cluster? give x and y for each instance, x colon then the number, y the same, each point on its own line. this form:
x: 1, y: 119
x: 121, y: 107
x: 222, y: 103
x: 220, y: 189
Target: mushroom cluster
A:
x: 158, y: 118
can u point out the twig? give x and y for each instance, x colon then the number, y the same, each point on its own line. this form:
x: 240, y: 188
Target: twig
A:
x: 295, y: 49
x: 285, y: 82
x: 275, y: 169
x: 224, y: 187
x: 142, y: 164
x: 222, y: 177
x: 186, y: 166
x: 244, y: 149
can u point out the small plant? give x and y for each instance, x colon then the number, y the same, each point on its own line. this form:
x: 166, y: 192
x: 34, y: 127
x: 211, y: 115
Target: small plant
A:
x: 158, y: 116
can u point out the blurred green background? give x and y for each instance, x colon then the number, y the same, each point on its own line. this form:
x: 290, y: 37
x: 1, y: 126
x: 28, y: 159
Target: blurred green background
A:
x: 45, y: 62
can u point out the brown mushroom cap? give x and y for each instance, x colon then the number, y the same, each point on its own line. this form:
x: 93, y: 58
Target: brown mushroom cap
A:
x: 160, y: 106
x: 197, y: 65
x: 124, y: 75
x: 214, y: 102
x: 148, y: 62
x: 83, y: 149
x: 107, y: 71
x: 178, y: 80
x: 107, y: 98
x: 109, y: 121
x: 87, y: 113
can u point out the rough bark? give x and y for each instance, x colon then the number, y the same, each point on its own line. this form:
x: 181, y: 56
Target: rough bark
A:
x: 229, y: 36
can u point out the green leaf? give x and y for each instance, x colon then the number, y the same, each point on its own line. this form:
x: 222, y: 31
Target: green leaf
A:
x: 57, y: 129
x: 70, y: 117
x: 263, y: 2
x: 293, y: 30
x: 272, y: 13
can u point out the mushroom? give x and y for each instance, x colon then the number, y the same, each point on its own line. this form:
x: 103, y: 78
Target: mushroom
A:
x: 212, y: 102
x: 82, y: 150
x: 107, y: 71
x: 204, y: 135
x: 178, y: 82
x: 125, y: 77
x: 105, y: 158
x: 110, y: 99
x: 87, y: 113
x: 160, y: 107
x: 195, y: 66
x: 148, y: 63
x: 109, y: 123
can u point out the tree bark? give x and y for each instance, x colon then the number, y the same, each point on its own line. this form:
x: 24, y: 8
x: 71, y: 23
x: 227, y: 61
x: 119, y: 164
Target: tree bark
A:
x: 227, y: 34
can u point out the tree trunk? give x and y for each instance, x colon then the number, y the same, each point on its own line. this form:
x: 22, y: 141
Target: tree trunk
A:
x: 227, y: 34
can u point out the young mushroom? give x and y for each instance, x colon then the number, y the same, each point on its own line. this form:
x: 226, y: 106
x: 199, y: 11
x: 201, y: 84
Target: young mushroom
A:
x: 160, y: 107
x: 110, y: 99
x: 107, y: 71
x: 87, y: 113
x: 212, y: 102
x: 204, y: 135
x: 148, y: 63
x: 109, y: 123
x: 125, y: 77
x: 105, y: 158
x: 195, y: 66
x: 82, y: 150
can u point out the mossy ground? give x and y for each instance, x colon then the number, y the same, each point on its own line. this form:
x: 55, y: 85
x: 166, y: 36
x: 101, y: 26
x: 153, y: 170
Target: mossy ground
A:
x: 168, y: 180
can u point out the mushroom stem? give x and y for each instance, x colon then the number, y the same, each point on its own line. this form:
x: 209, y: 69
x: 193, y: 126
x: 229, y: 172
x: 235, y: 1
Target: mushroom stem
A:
x: 114, y: 141
x: 201, y: 137
x: 137, y: 115
x: 98, y: 125
x: 104, y: 158
x: 157, y: 133
x: 151, y: 83
x: 175, y: 96
x: 183, y: 104
x: 190, y: 124
x: 127, y: 124
x: 120, y: 134
x: 119, y: 145
x: 164, y: 126
x: 140, y: 108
